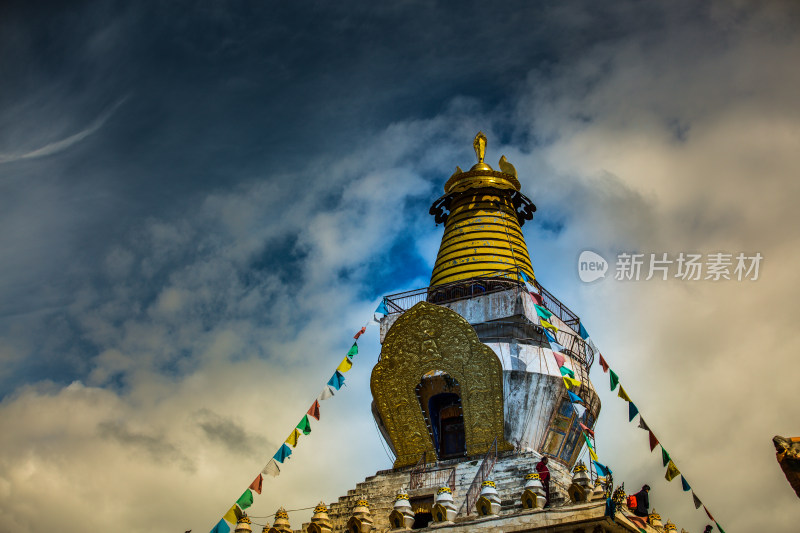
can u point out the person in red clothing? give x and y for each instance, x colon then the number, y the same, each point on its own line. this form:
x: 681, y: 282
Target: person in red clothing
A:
x: 544, y: 476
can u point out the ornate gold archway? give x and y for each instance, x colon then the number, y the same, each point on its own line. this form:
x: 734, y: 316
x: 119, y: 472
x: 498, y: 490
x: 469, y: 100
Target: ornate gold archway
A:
x: 429, y: 337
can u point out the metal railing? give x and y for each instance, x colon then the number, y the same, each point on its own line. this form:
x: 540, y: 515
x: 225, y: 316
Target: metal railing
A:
x: 481, y: 475
x: 500, y: 280
x: 422, y: 478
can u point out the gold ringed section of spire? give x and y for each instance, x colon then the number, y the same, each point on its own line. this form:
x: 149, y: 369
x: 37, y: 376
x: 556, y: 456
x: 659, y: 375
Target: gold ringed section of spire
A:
x: 481, y: 236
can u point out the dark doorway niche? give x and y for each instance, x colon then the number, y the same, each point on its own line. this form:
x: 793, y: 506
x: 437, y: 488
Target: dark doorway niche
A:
x: 439, y: 395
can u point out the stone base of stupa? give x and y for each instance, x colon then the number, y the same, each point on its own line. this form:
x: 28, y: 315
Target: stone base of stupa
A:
x: 509, y: 476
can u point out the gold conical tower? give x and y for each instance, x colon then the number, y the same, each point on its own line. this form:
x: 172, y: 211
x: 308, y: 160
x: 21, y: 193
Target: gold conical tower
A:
x: 483, y: 212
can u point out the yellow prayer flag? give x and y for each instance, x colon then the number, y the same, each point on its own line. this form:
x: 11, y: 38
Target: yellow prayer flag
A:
x: 571, y: 382
x: 593, y: 455
x: 345, y: 365
x: 548, y: 325
x: 234, y: 514
x: 672, y: 471
x: 622, y: 394
x: 292, y: 440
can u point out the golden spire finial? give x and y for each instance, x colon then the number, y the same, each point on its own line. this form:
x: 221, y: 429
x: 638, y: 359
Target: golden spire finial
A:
x: 480, y: 146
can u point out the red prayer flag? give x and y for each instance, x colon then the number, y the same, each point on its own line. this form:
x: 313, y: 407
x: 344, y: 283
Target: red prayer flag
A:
x: 587, y: 430
x: 559, y: 359
x: 537, y: 298
x: 640, y: 521
x: 603, y: 363
x: 314, y: 410
x: 653, y: 441
x: 360, y: 332
x: 709, y: 514
x: 257, y: 483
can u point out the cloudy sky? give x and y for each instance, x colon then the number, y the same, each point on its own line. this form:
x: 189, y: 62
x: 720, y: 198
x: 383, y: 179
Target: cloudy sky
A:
x: 201, y: 202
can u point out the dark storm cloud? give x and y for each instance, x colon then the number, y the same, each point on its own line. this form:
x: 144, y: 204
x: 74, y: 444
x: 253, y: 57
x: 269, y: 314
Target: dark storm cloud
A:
x: 229, y: 434
x: 156, y: 446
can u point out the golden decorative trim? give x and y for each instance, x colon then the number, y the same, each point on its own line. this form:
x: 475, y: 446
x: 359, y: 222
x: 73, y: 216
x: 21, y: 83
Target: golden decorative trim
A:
x: 533, y: 475
x: 488, y: 483
x: 428, y: 337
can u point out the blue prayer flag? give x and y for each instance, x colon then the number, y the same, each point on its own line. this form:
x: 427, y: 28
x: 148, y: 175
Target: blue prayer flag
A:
x: 550, y: 338
x: 283, y: 453
x: 337, y: 380
x: 603, y: 470
x: 582, y: 331
x: 632, y: 411
x: 574, y: 397
x: 685, y: 484
x: 525, y: 277
x: 221, y: 527
x: 382, y: 308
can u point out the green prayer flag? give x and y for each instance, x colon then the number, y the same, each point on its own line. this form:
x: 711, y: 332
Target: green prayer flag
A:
x: 304, y: 425
x: 543, y: 312
x: 353, y: 350
x: 567, y: 372
x: 720, y: 528
x: 614, y: 379
x: 588, y: 442
x: 664, y: 456
x: 245, y: 500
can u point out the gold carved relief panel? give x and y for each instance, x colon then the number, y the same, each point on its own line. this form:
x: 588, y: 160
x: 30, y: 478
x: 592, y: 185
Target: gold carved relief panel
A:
x: 430, y: 337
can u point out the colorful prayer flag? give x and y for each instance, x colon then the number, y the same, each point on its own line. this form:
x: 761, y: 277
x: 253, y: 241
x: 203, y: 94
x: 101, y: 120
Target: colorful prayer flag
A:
x: 588, y: 442
x: 586, y: 429
x: 345, y: 365
x: 709, y: 514
x: 547, y: 325
x: 295, y: 435
x: 382, y: 308
x: 566, y: 372
x: 622, y: 394
x: 579, y: 410
x: 304, y: 425
x: 550, y: 338
x: 697, y: 502
x: 632, y: 410
x: 685, y: 484
x: 592, y: 454
x: 326, y: 393
x: 664, y: 455
x: 233, y: 515
x: 719, y: 527
x: 602, y: 469
x: 568, y: 381
x: 221, y: 527
x: 543, y: 312
x: 643, y: 424
x: 336, y: 381
x: 314, y: 409
x: 282, y: 454
x: 574, y: 397
x: 353, y: 350
x: 653, y: 440
x: 257, y: 484
x: 604, y: 364
x: 614, y: 379
x: 672, y: 471
x: 560, y: 359
x: 360, y: 332
x: 245, y: 500
x: 272, y: 468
